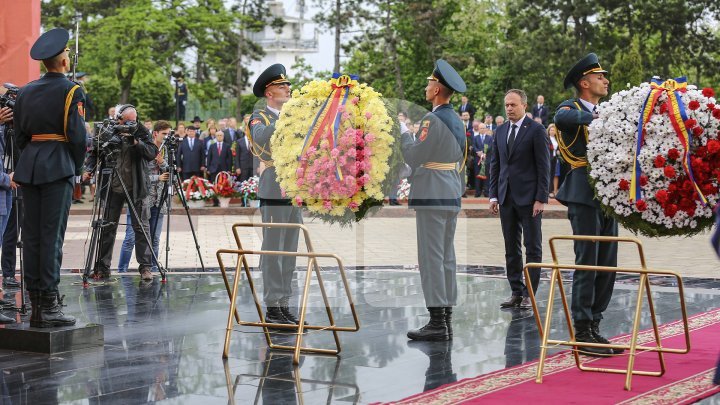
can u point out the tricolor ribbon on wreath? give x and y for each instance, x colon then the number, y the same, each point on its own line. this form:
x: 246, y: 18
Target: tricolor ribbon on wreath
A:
x: 196, y: 184
x: 676, y: 111
x: 329, y: 116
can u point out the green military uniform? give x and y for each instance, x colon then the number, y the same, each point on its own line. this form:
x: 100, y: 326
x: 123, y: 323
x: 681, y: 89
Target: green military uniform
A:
x: 437, y: 158
x: 277, y: 271
x: 591, y: 291
x: 50, y: 131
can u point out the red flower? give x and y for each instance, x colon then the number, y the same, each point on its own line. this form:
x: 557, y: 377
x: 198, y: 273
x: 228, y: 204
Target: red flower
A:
x: 694, y: 105
x: 669, y: 172
x: 641, y: 205
x: 697, y: 131
x: 670, y: 210
x: 710, y: 106
x: 686, y: 204
x: 713, y: 146
x: 643, y: 180
x: 659, y: 161
x: 689, y: 123
x: 674, y: 154
x: 716, y: 114
x: 708, y: 92
x: 663, y: 108
x: 661, y: 196
x: 624, y: 185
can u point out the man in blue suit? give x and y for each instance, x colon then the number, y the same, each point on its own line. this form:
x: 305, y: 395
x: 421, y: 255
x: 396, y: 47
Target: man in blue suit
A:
x: 191, y: 155
x: 519, y: 190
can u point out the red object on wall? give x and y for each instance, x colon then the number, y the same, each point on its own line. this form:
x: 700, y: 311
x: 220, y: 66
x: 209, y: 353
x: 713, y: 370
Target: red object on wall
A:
x: 19, y: 28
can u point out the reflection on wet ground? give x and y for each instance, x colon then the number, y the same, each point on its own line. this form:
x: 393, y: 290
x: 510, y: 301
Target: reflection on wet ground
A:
x: 164, y: 342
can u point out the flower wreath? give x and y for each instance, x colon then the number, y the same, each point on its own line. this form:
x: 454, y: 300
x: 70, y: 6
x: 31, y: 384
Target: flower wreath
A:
x: 654, y: 157
x: 331, y: 148
x: 197, y: 189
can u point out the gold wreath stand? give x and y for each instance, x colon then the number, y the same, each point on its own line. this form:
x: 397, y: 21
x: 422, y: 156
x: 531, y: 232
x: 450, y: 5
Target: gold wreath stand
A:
x: 643, y: 289
x: 312, y: 267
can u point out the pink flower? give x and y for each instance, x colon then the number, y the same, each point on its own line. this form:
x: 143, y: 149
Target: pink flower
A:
x: 282, y: 193
x: 335, y: 153
x: 368, y: 114
x: 299, y: 172
x: 327, y: 204
x: 298, y: 200
x: 341, y: 108
x: 345, y: 116
x: 353, y: 205
x: 300, y: 182
x: 355, y: 100
x: 369, y: 138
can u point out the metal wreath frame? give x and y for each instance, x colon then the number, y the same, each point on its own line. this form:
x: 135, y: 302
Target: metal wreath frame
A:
x: 643, y: 289
x: 312, y: 267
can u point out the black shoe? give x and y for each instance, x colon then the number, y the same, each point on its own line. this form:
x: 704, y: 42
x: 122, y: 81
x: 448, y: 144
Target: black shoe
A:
x: 10, y: 282
x: 448, y: 321
x: 435, y: 330
x: 4, y: 319
x: 394, y: 202
x: 595, y: 329
x: 285, y: 309
x: 275, y: 315
x: 525, y: 303
x: 512, y: 302
x: 583, y: 333
x: 47, y: 310
x: 146, y: 274
x: 101, y: 274
x: 7, y: 304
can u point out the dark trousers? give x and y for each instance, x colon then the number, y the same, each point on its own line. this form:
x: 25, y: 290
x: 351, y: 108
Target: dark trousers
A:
x: 10, y: 240
x: 46, y: 213
x: 592, y: 290
x: 436, y: 256
x: 186, y: 175
x: 114, y: 207
x: 245, y: 173
x: 518, y: 225
x: 480, y: 184
x: 277, y: 271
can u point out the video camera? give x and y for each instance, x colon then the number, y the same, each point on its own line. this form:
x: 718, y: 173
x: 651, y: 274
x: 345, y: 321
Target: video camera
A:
x: 8, y: 99
x: 110, y: 133
x: 171, y: 140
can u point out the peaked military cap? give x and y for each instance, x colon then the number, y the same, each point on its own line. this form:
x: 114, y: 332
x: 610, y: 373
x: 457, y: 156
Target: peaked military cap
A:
x: 588, y: 64
x: 447, y: 76
x: 275, y: 74
x: 50, y: 44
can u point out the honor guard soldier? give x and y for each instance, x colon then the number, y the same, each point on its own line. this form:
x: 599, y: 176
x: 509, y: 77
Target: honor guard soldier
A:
x: 50, y: 131
x: 591, y: 291
x: 277, y: 271
x: 437, y: 157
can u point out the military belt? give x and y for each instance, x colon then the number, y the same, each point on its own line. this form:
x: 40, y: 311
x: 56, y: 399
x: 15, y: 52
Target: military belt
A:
x: 49, y: 137
x: 439, y: 166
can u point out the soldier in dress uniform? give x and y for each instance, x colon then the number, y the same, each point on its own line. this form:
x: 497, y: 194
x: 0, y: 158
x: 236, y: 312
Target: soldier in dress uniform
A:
x: 437, y: 158
x: 277, y: 271
x: 591, y: 291
x: 50, y: 131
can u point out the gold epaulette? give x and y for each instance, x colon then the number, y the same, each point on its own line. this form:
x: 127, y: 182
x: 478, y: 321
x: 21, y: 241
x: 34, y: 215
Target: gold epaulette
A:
x: 440, y: 166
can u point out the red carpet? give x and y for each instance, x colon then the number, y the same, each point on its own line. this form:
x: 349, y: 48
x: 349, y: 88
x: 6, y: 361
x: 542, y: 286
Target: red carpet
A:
x: 688, y: 377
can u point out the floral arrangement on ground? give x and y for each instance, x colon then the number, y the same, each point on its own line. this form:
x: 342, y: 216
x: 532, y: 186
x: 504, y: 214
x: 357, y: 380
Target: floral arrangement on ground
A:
x: 224, y: 185
x: 334, y: 149
x: 198, y: 189
x: 248, y: 189
x: 654, y: 157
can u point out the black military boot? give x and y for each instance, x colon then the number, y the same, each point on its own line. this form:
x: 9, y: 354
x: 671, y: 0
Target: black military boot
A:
x: 49, y: 314
x: 35, y: 302
x: 448, y: 321
x: 285, y: 308
x: 274, y: 315
x: 595, y: 329
x: 435, y: 330
x: 583, y: 333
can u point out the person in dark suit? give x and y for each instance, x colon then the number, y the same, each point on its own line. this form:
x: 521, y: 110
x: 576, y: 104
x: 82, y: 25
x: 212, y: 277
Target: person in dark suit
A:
x: 591, y: 291
x: 481, y: 146
x: 540, y: 110
x: 277, y: 271
x: 232, y: 133
x: 191, y: 155
x: 519, y: 190
x: 49, y: 121
x: 243, y: 158
x: 437, y: 158
x: 466, y: 106
x: 219, y: 158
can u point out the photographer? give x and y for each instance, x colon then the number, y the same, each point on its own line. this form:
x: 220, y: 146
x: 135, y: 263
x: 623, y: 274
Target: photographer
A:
x: 6, y: 184
x: 131, y: 158
x: 158, y: 176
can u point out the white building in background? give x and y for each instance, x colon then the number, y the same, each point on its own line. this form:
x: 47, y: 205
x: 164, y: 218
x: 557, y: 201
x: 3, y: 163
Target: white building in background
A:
x: 298, y: 38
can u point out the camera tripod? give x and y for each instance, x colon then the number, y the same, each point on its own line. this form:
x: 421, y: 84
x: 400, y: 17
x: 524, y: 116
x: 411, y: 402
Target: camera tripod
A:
x: 17, y: 207
x: 107, y: 169
x: 169, y: 189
